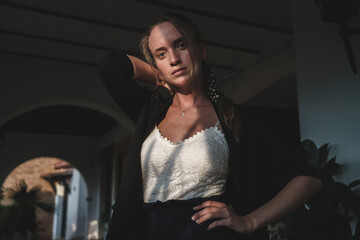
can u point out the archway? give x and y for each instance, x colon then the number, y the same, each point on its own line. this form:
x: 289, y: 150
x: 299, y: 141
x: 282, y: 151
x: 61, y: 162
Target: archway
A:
x: 115, y: 114
x: 60, y: 185
x: 77, y: 134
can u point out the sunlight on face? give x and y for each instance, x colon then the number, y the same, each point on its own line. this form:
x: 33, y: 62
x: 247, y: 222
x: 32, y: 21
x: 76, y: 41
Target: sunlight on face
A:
x: 171, y: 55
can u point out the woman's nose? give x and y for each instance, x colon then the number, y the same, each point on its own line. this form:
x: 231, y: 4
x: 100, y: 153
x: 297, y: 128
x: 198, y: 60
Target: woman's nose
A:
x: 174, y: 58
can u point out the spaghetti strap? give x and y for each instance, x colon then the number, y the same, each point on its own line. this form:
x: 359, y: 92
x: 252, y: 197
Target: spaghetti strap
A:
x: 217, y: 123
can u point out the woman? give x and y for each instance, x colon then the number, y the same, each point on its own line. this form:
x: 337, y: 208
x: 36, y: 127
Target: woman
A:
x: 192, y: 170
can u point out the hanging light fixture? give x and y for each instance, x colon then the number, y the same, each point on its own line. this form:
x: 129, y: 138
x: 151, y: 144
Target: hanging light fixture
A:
x: 340, y: 11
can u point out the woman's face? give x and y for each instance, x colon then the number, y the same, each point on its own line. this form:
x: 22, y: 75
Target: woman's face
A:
x: 171, y: 55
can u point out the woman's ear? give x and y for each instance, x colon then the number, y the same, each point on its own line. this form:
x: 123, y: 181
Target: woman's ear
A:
x: 202, y: 51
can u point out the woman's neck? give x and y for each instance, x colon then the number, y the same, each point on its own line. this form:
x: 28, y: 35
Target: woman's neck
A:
x: 189, y: 99
x: 190, y: 96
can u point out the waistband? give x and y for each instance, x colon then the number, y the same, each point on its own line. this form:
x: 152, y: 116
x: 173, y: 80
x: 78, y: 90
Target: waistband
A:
x: 186, y: 203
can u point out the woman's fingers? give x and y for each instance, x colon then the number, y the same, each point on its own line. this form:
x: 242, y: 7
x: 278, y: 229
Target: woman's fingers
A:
x: 210, y: 213
x: 224, y: 215
x: 211, y: 210
x: 209, y: 204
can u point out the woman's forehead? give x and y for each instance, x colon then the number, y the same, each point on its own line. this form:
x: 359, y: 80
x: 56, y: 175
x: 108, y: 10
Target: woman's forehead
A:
x: 163, y: 34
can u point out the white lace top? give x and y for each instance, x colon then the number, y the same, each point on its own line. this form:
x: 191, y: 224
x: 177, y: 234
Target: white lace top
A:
x: 192, y: 168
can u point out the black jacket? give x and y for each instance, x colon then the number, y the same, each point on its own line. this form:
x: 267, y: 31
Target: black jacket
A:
x: 254, y: 161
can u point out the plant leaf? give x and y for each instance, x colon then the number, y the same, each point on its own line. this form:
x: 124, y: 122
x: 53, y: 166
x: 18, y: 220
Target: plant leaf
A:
x: 354, y: 183
x: 348, y: 199
x: 332, y: 168
x: 309, y: 151
x: 323, y: 154
x: 48, y: 207
x: 332, y: 160
x: 357, y: 232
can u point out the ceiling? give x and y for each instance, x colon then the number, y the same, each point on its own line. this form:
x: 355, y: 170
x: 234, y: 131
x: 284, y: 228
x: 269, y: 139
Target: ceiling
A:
x: 65, y: 120
x: 239, y: 35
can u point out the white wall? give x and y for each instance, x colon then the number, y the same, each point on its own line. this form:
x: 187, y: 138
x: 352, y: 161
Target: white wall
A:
x: 58, y: 211
x: 76, y: 219
x: 328, y: 90
x: 83, y: 206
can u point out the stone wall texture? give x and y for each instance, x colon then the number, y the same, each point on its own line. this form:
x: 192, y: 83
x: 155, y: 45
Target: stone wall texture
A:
x: 31, y: 171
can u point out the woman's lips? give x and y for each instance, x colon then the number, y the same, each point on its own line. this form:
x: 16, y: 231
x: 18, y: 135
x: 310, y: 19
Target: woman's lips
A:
x: 178, y: 71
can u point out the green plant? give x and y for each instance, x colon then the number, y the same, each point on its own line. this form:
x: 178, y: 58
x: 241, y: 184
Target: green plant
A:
x: 20, y: 217
x: 327, y: 215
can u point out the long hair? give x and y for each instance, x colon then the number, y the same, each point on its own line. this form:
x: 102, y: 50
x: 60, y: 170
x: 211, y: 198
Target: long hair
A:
x: 192, y: 37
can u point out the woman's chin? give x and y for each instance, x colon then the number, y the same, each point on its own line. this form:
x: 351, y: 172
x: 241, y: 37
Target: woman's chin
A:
x: 180, y: 83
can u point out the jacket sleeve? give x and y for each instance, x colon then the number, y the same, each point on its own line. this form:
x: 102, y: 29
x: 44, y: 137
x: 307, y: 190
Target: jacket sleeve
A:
x: 282, y: 159
x: 116, y: 71
x: 278, y: 157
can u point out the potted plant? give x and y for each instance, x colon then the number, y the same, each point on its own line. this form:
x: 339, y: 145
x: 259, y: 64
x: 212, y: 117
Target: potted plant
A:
x: 329, y: 214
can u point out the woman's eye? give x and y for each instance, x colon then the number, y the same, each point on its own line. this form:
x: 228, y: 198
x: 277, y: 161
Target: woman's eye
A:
x: 181, y: 45
x: 161, y: 55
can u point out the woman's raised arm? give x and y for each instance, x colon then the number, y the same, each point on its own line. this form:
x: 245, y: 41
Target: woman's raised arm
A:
x: 142, y: 71
x: 118, y: 71
x: 146, y: 73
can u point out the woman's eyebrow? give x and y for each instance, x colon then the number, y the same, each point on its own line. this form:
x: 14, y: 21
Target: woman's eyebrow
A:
x: 176, y: 41
x: 180, y: 39
x: 159, y: 49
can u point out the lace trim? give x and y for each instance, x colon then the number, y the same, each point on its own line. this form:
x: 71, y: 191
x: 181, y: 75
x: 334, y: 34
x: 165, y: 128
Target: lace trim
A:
x: 217, y: 130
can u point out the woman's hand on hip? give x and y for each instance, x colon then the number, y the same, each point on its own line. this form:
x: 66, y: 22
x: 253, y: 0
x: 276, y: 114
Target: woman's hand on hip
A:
x: 225, y: 215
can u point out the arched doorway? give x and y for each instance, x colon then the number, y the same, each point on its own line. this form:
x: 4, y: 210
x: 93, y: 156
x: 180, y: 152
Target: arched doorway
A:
x: 78, y: 135
x: 62, y: 186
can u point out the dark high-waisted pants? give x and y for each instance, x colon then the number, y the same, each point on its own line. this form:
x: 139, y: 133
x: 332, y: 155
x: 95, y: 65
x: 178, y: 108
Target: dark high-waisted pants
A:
x: 171, y: 220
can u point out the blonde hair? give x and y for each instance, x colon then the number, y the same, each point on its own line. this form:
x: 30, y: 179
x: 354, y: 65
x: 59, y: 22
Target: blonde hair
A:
x: 192, y: 38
